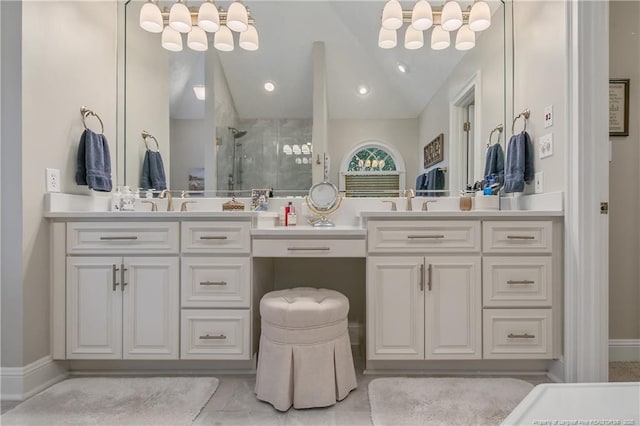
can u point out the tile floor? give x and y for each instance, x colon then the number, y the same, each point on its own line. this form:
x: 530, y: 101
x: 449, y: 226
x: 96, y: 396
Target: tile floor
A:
x: 234, y: 403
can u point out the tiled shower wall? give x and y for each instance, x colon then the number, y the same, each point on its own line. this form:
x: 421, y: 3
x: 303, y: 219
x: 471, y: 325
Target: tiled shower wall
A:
x: 260, y: 160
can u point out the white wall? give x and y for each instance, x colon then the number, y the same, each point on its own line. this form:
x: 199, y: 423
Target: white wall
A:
x: 187, y: 150
x: 487, y: 59
x: 624, y: 183
x: 540, y: 67
x: 344, y: 135
x: 68, y: 60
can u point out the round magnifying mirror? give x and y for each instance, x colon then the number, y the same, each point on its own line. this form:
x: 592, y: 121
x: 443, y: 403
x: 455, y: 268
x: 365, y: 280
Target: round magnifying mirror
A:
x: 323, y: 200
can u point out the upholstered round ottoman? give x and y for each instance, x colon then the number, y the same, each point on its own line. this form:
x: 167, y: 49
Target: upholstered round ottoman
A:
x: 305, y: 355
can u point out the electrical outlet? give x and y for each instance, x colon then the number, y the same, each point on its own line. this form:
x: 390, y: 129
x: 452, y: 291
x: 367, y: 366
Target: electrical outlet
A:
x: 539, y: 182
x: 548, y: 116
x: 52, y: 180
x: 546, y: 145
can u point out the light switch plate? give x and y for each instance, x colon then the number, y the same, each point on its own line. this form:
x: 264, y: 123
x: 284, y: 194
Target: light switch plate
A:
x: 539, y: 182
x: 52, y: 183
x: 545, y: 144
x: 548, y: 116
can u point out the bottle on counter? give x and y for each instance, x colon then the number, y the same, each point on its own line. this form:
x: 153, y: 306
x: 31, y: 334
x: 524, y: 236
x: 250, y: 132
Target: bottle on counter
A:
x: 287, y: 209
x: 128, y: 200
x: 291, y: 216
x: 115, y: 200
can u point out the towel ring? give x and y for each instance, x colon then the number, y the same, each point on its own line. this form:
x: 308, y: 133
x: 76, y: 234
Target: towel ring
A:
x: 146, y: 135
x: 499, y: 128
x: 525, y: 116
x: 86, y: 112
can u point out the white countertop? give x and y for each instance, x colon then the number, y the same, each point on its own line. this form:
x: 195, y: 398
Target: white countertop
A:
x: 457, y: 214
x: 246, y: 215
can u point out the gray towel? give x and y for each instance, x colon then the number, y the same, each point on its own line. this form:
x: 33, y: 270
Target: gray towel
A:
x: 420, y: 183
x: 519, y: 165
x: 152, y: 176
x: 94, y: 162
x: 434, y: 182
x: 494, y: 164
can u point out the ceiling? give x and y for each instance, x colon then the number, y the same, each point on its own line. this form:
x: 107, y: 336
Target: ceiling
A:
x: 349, y: 30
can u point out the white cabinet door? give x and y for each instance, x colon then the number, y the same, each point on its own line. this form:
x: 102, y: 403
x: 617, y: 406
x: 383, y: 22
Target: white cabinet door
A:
x: 395, y: 308
x: 453, y: 308
x: 94, y: 308
x: 151, y: 308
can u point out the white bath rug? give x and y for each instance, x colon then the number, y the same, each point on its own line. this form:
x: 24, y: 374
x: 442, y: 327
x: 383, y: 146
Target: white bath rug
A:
x: 444, y: 401
x: 116, y: 401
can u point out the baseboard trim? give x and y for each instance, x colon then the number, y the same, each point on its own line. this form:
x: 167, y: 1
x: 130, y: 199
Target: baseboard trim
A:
x: 20, y: 383
x: 624, y: 350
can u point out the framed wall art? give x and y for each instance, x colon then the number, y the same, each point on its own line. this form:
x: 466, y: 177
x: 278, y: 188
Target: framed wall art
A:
x: 619, y: 107
x: 434, y: 151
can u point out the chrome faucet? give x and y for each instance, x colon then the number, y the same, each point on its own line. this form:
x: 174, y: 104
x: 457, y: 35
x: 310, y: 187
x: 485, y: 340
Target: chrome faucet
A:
x: 409, y: 193
x: 167, y: 193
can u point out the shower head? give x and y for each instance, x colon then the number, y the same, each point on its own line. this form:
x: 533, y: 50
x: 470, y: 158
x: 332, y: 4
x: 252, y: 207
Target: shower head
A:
x: 237, y: 133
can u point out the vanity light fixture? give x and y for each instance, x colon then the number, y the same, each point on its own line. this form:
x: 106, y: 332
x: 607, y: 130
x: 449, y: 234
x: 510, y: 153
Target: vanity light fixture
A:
x: 199, y: 92
x: 443, y: 20
x: 197, y: 22
x: 269, y: 86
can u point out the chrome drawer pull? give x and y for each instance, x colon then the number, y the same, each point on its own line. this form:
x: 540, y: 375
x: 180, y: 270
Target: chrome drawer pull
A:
x: 308, y: 248
x: 118, y: 238
x: 520, y: 237
x: 208, y: 337
x: 213, y: 283
x: 115, y: 270
x: 521, y: 336
x: 425, y: 236
x: 213, y: 237
x: 422, y: 277
x: 520, y: 282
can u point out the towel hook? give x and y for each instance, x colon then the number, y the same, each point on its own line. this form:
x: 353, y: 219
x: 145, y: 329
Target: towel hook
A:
x: 525, y: 116
x: 146, y: 135
x: 86, y: 112
x: 499, y: 128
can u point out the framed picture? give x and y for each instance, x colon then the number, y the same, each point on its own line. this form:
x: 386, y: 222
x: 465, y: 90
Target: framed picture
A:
x: 196, y: 179
x: 619, y: 107
x: 434, y: 151
x: 260, y: 199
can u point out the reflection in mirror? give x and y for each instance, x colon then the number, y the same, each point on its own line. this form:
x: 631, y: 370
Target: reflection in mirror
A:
x: 220, y: 130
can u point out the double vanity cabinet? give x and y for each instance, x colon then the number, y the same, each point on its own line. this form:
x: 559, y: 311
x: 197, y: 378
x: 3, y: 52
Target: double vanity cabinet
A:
x: 187, y: 287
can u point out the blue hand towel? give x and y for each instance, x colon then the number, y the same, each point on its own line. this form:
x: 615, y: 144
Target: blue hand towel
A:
x: 519, y: 166
x: 420, y: 183
x: 494, y: 164
x: 94, y: 162
x: 434, y: 182
x: 152, y: 176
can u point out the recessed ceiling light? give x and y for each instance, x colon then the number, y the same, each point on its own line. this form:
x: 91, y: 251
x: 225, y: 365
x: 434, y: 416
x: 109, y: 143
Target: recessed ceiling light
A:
x: 269, y: 86
x: 199, y: 92
x: 363, y: 90
x: 402, y: 67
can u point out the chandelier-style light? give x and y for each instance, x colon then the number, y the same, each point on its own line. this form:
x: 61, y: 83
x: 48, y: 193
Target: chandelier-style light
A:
x: 197, y: 22
x: 444, y: 20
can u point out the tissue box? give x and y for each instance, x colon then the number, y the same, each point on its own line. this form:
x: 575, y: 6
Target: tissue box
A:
x: 486, y: 202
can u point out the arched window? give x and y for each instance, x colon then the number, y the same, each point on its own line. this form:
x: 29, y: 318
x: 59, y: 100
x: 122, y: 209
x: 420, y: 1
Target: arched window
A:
x: 372, y: 169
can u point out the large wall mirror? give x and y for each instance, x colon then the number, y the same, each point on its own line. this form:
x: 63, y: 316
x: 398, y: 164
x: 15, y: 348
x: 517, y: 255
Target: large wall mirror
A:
x: 220, y: 131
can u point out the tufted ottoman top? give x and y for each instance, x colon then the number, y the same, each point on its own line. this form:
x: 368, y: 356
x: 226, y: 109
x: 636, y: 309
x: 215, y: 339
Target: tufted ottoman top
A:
x: 303, y: 307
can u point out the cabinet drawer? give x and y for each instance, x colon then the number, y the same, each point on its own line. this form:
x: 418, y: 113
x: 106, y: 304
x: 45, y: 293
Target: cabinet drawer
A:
x: 517, y: 281
x: 517, y: 334
x: 122, y: 238
x: 215, y: 334
x: 216, y: 237
x: 215, y: 282
x: 517, y: 237
x: 308, y: 248
x: 423, y: 236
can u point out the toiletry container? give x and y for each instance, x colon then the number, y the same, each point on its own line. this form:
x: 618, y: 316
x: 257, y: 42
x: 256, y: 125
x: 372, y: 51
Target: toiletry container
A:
x: 115, y: 199
x: 128, y: 200
x: 487, y: 202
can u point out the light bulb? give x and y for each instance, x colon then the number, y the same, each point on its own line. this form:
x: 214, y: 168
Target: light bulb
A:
x: 208, y: 17
x: 223, y: 40
x: 151, y: 18
x: 387, y: 39
x: 439, y: 38
x: 269, y: 86
x: 480, y: 16
x: 422, y: 16
x: 237, y: 17
x: 180, y: 17
x: 413, y: 39
x: 199, y: 91
x: 197, y: 40
x: 465, y: 39
x: 402, y: 68
x: 363, y: 90
x: 392, y: 15
x: 451, y: 16
x: 249, y: 39
x: 171, y: 39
